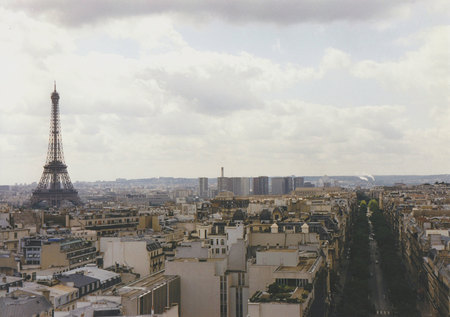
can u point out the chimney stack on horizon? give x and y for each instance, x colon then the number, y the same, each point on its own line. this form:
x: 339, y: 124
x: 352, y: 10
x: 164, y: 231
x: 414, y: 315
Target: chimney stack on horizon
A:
x: 221, y: 171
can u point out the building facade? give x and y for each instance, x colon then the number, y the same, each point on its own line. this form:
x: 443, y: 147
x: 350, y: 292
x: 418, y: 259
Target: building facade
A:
x: 261, y: 185
x: 203, y: 187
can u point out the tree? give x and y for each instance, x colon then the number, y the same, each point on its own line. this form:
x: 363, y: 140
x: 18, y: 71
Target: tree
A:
x: 373, y: 205
x: 274, y: 288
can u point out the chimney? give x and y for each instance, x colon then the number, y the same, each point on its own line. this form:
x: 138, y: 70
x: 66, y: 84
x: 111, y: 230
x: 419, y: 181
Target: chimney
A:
x: 46, y: 294
x: 4, y: 279
x: 221, y: 169
x: 305, y: 228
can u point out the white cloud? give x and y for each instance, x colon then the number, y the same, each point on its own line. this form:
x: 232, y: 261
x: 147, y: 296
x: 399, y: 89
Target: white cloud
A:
x: 423, y: 72
x: 137, y: 100
x: 334, y: 59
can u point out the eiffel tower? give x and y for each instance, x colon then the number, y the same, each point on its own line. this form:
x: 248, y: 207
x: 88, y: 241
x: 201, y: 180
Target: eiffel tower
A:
x: 55, y: 185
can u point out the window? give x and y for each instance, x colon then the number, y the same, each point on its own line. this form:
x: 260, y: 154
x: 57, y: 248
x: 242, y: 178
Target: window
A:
x: 223, y: 250
x: 223, y: 296
x: 222, y: 242
x: 239, y: 311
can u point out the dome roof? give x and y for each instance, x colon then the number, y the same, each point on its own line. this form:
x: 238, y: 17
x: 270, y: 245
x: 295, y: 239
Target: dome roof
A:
x: 265, y: 215
x: 277, y: 209
x: 238, y: 215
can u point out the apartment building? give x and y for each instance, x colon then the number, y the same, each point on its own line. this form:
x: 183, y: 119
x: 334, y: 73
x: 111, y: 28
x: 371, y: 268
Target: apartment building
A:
x: 123, y: 251
x: 420, y: 218
x: 43, y: 253
x: 261, y: 185
x: 105, y: 221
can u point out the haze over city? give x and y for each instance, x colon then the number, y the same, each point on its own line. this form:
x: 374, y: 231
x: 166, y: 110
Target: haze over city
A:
x: 181, y: 88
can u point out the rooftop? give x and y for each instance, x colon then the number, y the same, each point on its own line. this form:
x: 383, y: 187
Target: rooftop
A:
x: 279, y: 250
x: 95, y: 272
x: 303, y: 265
x: 24, y: 305
x: 9, y: 279
x: 79, y: 280
x: 144, y: 285
x: 283, y: 294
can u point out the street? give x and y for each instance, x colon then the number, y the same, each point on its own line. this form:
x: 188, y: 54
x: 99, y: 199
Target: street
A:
x: 377, y: 285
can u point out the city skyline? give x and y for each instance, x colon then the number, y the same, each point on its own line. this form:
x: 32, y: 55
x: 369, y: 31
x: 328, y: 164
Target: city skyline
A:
x: 179, y: 90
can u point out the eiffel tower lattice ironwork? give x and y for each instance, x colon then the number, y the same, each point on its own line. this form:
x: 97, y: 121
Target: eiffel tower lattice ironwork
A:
x: 55, y: 185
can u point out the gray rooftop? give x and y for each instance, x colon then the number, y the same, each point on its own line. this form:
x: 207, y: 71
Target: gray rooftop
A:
x: 24, y: 306
x: 79, y: 280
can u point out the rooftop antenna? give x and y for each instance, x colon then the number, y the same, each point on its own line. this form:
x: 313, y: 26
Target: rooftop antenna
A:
x: 54, y: 85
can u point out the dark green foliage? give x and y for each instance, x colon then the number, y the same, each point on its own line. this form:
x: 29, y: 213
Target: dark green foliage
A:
x: 279, y: 291
x: 274, y: 288
x: 400, y: 293
x: 308, y: 287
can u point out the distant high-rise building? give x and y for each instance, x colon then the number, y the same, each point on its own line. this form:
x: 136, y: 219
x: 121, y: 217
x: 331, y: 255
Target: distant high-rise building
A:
x: 240, y: 186
x: 224, y: 183
x: 288, y: 184
x: 281, y: 185
x: 277, y: 185
x: 236, y: 185
x: 261, y: 185
x: 299, y: 182
x: 245, y: 186
x: 203, y: 187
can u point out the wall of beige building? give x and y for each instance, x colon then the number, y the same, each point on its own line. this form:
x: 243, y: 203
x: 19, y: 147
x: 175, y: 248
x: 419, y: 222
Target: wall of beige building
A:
x: 51, y: 256
x: 9, y: 239
x: 282, y: 239
x: 274, y: 309
x: 260, y: 277
x: 200, y: 286
x: 128, y: 253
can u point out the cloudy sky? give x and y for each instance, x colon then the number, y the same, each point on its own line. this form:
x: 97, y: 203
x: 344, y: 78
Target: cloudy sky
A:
x: 262, y: 87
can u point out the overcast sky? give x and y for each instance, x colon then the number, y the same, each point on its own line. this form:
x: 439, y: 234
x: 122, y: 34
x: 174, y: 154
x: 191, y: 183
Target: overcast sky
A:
x: 261, y: 87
